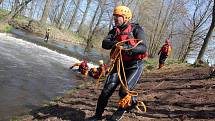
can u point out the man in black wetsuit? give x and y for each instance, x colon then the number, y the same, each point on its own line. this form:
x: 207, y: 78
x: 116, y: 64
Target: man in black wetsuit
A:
x: 132, y: 60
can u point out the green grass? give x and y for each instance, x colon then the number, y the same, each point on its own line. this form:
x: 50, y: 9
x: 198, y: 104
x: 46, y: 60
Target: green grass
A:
x: 152, y: 63
x: 3, y: 12
x: 5, y: 28
x: 172, y: 61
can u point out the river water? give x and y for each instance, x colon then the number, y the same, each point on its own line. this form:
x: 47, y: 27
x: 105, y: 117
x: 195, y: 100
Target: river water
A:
x: 30, y: 75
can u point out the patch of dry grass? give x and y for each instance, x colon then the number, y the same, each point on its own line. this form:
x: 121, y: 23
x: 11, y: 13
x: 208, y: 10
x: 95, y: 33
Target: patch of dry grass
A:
x: 5, y: 27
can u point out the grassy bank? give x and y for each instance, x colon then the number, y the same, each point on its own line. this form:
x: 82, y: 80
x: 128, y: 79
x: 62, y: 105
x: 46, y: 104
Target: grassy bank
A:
x: 4, y: 27
x: 35, y: 27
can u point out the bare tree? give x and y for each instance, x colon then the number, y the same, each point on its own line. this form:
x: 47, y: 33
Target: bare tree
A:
x: 1, y: 1
x: 61, y: 13
x: 155, y: 31
x: 84, y: 16
x: 64, y: 18
x: 23, y: 11
x: 32, y: 8
x: 15, y: 5
x: 207, y: 38
x: 89, y: 39
x: 162, y: 24
x: 53, y: 14
x: 74, y: 14
x: 15, y: 12
x: 197, y: 21
x: 46, y: 11
x: 38, y: 8
x: 110, y: 13
x: 93, y: 20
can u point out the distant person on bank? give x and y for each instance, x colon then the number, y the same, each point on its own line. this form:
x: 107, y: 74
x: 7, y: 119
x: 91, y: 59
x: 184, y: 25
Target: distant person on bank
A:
x: 47, y: 35
x: 164, y: 53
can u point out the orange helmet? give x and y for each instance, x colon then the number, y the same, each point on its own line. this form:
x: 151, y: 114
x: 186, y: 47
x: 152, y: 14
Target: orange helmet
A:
x: 123, y: 11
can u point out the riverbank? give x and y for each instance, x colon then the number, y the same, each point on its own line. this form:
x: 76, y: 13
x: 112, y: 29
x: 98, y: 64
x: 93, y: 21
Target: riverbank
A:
x: 177, y: 92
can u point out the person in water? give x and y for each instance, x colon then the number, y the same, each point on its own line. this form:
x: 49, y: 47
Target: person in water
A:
x: 98, y: 72
x: 82, y: 67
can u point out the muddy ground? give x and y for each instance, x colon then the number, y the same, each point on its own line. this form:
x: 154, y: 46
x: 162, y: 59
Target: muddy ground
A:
x: 175, y: 93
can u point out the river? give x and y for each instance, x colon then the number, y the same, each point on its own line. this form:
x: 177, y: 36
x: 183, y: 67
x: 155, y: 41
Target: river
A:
x: 30, y: 75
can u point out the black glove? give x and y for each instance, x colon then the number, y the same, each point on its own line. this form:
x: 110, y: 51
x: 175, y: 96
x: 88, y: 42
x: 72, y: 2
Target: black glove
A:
x: 110, y: 37
x: 126, y: 46
x: 127, y: 52
x: 108, y: 42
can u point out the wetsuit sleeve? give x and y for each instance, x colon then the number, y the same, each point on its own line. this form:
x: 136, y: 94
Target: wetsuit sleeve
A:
x: 109, y: 41
x: 138, y: 33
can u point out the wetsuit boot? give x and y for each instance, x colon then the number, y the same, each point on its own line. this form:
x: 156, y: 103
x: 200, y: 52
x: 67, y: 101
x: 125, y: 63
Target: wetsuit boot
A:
x: 160, y: 66
x: 117, y: 116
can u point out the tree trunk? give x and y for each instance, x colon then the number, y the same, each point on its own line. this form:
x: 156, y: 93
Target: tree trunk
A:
x: 155, y: 31
x: 187, y: 51
x: 46, y: 11
x: 22, y: 12
x: 89, y: 39
x: 1, y: 1
x: 93, y: 20
x: 61, y: 13
x: 96, y: 26
x: 207, y: 38
x: 111, y: 16
x: 15, y: 6
x: 74, y: 14
x: 163, y: 27
x: 196, y: 26
x: 32, y: 9
x: 14, y: 13
x: 84, y: 16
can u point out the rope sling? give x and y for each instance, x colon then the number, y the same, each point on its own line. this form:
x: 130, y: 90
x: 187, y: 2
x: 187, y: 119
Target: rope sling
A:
x: 116, y: 58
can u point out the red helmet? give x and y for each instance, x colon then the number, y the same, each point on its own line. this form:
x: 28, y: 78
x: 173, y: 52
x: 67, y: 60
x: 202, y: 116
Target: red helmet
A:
x: 84, y: 64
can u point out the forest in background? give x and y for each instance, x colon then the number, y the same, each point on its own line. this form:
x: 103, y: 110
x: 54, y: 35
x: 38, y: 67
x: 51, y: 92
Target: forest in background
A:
x: 189, y: 23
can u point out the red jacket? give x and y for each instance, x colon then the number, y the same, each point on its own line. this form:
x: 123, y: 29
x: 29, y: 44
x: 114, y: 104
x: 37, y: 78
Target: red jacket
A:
x: 122, y: 35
